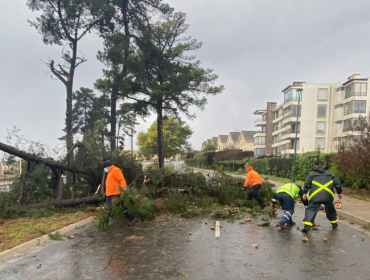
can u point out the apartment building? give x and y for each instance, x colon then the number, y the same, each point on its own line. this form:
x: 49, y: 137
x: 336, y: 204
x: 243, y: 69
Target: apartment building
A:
x: 263, y: 141
x: 326, y: 115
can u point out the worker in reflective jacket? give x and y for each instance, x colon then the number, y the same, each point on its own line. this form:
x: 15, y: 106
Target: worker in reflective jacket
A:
x: 321, y: 183
x: 286, y: 195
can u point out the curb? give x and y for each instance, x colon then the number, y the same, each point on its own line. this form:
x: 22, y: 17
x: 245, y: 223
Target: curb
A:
x: 351, y: 217
x: 42, y: 239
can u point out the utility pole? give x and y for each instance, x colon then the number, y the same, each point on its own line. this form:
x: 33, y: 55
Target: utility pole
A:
x: 299, y: 93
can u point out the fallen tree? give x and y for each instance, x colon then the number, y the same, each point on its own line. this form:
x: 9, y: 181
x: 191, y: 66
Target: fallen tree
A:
x: 95, y: 198
x: 59, y: 165
x: 47, y: 161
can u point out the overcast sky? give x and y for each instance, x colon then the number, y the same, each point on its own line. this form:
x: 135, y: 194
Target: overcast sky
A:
x: 257, y: 47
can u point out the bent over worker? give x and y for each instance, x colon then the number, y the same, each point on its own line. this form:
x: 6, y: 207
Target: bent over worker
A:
x: 114, y: 183
x: 286, y: 195
x: 321, y: 183
x: 254, y: 181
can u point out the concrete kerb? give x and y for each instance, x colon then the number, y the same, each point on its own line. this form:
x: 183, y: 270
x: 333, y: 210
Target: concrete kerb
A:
x: 39, y: 240
x: 361, y: 221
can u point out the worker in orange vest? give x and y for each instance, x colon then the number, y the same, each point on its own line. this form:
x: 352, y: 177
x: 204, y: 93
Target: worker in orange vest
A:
x: 114, y: 183
x: 254, y: 181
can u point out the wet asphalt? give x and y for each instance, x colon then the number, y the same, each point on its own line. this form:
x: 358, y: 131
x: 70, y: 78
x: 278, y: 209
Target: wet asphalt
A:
x: 163, y: 249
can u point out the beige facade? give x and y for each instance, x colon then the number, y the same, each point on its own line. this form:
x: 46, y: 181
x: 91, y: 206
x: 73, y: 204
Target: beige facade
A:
x: 232, y: 140
x: 246, y: 140
x: 222, y: 142
x: 326, y: 116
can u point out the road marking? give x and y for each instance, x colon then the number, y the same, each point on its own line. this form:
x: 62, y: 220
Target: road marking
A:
x: 217, y: 229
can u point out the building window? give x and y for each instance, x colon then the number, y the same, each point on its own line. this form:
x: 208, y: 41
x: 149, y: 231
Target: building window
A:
x: 356, y: 89
x: 337, y: 139
x: 293, y: 143
x: 350, y: 124
x: 290, y: 95
x: 320, y: 126
x: 259, y: 141
x: 298, y: 127
x: 359, y: 106
x: 338, y: 106
x: 348, y: 108
x: 323, y: 92
x: 259, y: 152
x: 320, y: 142
x: 321, y: 110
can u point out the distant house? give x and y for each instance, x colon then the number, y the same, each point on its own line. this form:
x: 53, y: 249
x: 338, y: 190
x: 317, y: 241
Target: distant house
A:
x: 204, y: 143
x: 246, y: 140
x: 232, y: 140
x: 222, y: 142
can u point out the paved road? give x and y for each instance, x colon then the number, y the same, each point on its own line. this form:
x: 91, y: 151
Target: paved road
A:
x: 163, y: 249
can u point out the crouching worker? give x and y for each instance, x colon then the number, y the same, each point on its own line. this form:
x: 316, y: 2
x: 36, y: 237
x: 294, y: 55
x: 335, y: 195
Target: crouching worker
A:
x: 321, y: 183
x: 286, y: 195
x: 113, y: 185
x: 254, y: 181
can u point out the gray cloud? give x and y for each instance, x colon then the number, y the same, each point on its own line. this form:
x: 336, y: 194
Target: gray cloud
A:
x: 256, y: 47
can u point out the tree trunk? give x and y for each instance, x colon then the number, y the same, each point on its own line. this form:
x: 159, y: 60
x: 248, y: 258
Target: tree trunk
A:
x: 69, y: 138
x: 160, y: 134
x: 113, y: 117
x: 68, y: 202
x: 47, y: 161
x: 20, y: 189
x: 60, y: 187
x: 102, y: 189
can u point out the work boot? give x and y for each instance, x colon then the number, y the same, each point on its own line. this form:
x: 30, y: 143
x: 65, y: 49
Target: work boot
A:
x: 306, y: 229
x: 281, y: 225
x: 133, y: 222
x: 290, y: 224
x: 335, y: 226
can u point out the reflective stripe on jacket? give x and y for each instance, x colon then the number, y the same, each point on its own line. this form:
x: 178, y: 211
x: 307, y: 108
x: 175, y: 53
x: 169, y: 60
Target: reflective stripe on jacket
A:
x: 321, y: 183
x: 289, y: 188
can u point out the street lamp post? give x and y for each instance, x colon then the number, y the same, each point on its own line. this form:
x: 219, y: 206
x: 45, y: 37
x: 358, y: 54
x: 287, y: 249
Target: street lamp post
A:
x: 233, y: 153
x: 299, y: 93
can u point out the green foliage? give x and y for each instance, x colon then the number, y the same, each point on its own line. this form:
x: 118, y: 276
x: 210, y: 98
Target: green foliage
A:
x: 56, y: 236
x: 175, y: 139
x: 8, y: 207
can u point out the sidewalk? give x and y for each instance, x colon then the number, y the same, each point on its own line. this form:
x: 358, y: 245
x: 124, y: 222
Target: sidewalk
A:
x: 353, y: 209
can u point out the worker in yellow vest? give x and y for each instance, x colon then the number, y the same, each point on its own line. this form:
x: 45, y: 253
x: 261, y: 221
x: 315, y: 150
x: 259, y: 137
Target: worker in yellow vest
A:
x: 321, y: 183
x: 286, y: 195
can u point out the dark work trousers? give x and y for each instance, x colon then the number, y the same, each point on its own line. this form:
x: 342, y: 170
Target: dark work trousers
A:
x: 108, y: 202
x: 312, y: 209
x: 254, y: 194
x: 287, y: 202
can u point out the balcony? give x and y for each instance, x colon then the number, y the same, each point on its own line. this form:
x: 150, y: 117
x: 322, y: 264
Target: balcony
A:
x: 290, y: 119
x: 281, y: 129
x: 289, y: 135
x: 259, y: 122
x: 278, y: 119
x: 259, y: 146
x: 281, y: 143
x: 259, y: 134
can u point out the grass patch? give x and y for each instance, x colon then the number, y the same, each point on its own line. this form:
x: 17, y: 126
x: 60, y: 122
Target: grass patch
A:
x: 360, y: 197
x: 56, y: 236
x: 14, y: 232
x: 181, y: 273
